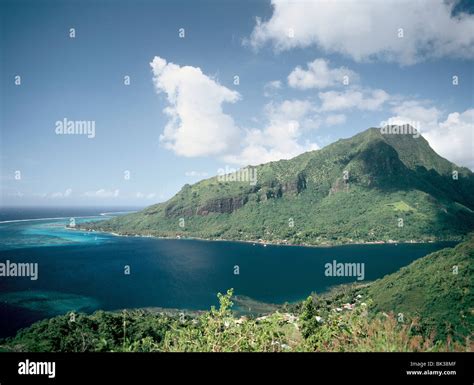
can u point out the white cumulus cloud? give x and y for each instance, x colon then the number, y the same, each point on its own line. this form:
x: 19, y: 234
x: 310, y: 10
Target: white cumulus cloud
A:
x: 281, y: 136
x: 366, y: 100
x: 336, y: 119
x: 417, y: 113
x: 450, y: 136
x: 197, y: 125
x: 271, y: 88
x: 403, y: 31
x: 319, y: 75
x: 453, y: 138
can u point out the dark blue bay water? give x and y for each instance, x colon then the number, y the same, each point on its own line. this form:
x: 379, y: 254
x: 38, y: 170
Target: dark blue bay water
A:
x: 85, y: 271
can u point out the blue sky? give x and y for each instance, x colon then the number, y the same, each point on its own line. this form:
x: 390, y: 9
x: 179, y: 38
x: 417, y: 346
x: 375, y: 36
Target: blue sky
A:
x: 282, y: 105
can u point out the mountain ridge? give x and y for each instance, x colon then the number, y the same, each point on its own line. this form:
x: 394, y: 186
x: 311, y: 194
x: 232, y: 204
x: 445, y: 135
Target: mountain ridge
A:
x: 353, y: 190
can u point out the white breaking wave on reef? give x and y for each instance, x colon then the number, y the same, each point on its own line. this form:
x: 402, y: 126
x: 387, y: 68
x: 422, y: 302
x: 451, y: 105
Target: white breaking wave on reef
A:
x: 104, y: 214
x: 44, y: 219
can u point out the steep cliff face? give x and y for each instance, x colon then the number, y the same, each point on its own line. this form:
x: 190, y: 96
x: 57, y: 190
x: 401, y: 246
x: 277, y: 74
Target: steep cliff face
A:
x: 223, y: 205
x: 353, y: 189
x: 201, y: 204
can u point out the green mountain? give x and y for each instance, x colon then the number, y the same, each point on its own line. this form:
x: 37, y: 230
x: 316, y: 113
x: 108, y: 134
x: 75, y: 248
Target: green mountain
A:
x: 436, y: 288
x: 371, y: 187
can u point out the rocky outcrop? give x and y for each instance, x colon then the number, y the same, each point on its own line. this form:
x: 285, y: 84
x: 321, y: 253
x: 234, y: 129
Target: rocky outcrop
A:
x: 174, y: 210
x: 222, y: 205
x: 296, y: 186
x: 277, y: 190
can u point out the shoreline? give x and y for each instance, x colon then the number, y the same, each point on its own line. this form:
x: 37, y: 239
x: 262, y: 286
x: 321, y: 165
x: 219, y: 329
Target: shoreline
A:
x: 267, y: 243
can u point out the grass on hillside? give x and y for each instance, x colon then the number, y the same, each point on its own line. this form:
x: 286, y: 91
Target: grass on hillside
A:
x: 314, y: 327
